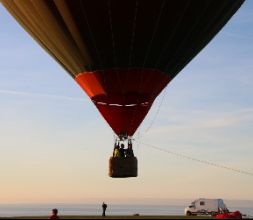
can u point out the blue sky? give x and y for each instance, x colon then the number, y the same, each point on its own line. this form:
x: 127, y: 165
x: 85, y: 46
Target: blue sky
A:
x: 55, y: 146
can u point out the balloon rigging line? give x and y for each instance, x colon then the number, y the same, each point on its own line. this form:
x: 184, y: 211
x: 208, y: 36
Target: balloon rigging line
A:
x: 112, y: 35
x: 133, y: 34
x: 175, y: 28
x: 114, y: 46
x: 147, y: 54
x: 91, y: 34
x: 154, y: 32
x: 165, y: 90
x: 157, y: 111
x: 131, y: 46
x: 186, y: 36
x: 98, y: 53
x: 93, y: 42
x: 198, y: 160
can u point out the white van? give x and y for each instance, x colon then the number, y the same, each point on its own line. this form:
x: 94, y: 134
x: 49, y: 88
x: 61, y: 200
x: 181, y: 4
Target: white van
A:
x: 206, y: 207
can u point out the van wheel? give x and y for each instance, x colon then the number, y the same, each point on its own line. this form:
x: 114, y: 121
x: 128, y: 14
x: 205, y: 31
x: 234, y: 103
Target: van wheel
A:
x: 188, y: 213
x: 213, y: 214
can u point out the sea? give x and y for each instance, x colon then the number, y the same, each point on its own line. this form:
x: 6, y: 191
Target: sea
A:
x: 13, y: 210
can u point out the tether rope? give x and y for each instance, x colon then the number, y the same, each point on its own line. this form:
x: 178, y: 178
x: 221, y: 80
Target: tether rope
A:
x: 198, y: 160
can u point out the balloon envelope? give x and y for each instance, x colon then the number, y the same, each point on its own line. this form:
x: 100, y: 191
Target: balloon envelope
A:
x: 123, y: 53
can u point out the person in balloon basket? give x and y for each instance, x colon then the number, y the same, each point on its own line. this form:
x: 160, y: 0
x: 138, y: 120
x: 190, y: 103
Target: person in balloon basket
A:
x: 122, y: 151
x: 116, y: 152
x: 54, y: 214
x: 129, y: 151
x: 104, y: 207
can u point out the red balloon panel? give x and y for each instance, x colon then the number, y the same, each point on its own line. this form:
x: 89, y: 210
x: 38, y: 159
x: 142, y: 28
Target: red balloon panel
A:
x: 123, y: 96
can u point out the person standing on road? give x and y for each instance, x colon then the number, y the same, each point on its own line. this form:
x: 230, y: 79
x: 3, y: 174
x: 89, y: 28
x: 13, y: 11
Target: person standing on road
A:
x: 104, y: 206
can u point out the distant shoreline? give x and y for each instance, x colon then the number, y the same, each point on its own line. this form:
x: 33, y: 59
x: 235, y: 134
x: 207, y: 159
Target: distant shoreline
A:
x: 94, y: 211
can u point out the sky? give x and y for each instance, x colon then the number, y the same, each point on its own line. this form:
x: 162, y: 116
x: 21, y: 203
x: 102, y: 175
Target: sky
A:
x: 55, y: 146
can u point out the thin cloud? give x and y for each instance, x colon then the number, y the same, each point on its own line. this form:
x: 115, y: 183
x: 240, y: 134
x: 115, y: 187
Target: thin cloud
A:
x: 234, y: 118
x: 192, y: 120
x: 238, y: 35
x: 21, y: 93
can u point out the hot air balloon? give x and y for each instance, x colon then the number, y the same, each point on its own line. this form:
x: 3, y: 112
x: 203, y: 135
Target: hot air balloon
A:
x: 123, y: 53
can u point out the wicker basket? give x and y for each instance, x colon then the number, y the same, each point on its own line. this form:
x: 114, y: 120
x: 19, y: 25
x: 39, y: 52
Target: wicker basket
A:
x: 123, y: 167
